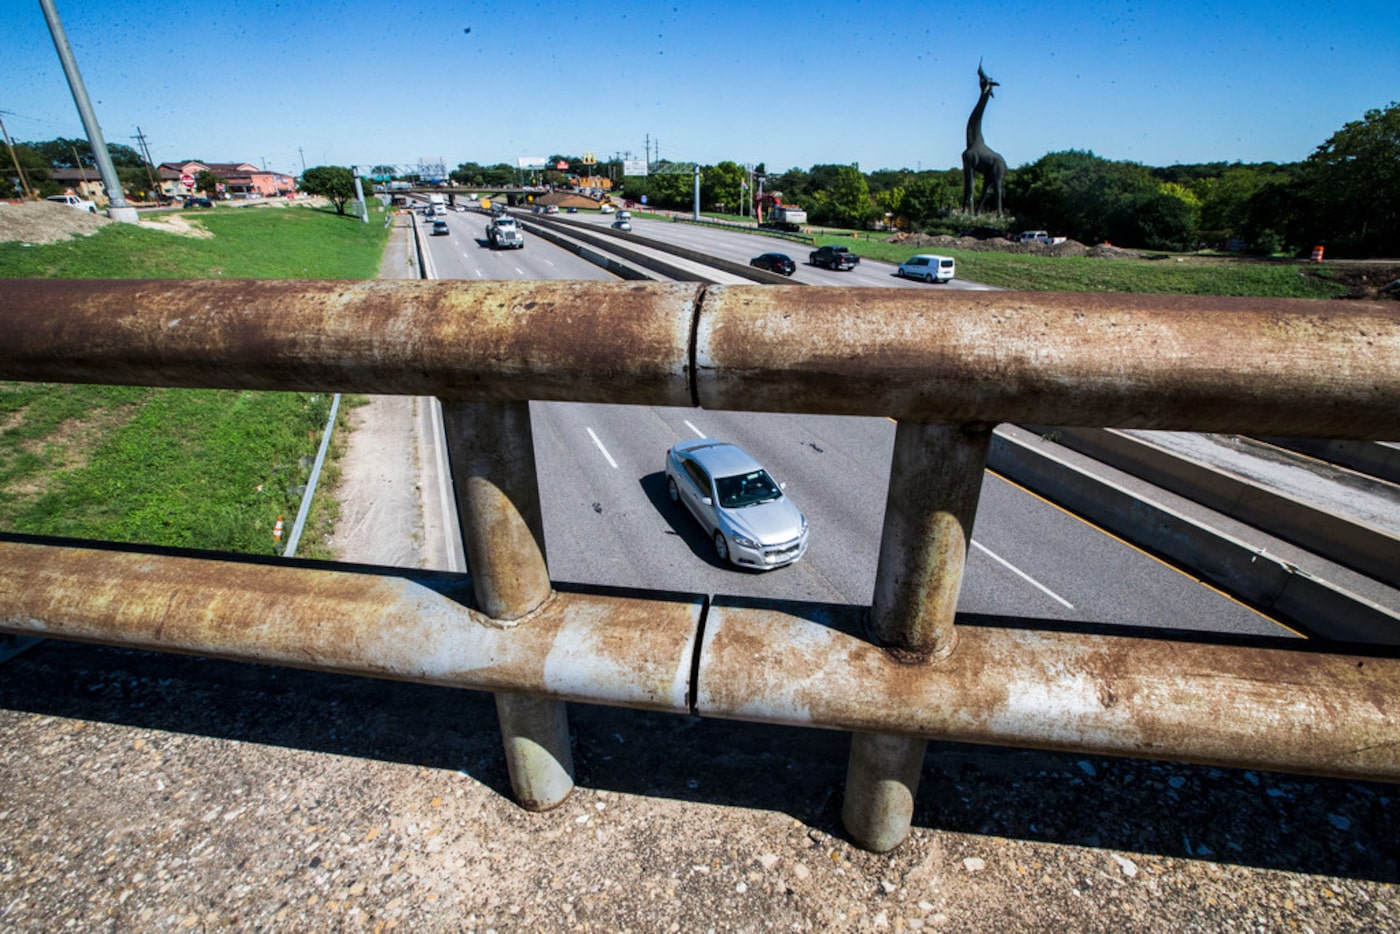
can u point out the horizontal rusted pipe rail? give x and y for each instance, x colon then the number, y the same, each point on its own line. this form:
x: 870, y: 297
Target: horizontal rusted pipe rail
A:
x: 1297, y: 367
x: 1214, y: 704
x: 1336, y: 715
x: 404, y: 626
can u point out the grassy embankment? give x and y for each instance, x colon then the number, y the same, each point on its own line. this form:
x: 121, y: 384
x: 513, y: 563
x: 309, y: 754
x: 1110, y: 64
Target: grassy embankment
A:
x: 192, y: 468
x: 1169, y: 274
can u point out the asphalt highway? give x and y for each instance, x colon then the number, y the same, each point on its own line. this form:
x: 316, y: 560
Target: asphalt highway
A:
x: 608, y: 520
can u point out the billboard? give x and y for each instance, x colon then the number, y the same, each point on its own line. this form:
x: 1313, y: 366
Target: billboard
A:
x: 634, y: 167
x: 531, y: 162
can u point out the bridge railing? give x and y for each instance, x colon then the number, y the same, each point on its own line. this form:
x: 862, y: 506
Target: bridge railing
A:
x: 906, y: 669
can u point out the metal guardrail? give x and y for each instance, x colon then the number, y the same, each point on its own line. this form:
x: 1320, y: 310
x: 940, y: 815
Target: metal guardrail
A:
x: 947, y: 366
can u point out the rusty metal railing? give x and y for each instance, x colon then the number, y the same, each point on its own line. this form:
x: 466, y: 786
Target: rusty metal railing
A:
x: 947, y: 366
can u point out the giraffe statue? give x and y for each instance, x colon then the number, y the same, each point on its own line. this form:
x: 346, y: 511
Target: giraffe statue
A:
x: 978, y: 157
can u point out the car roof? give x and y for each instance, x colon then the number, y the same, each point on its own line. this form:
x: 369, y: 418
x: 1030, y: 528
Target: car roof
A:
x: 719, y: 458
x: 927, y: 256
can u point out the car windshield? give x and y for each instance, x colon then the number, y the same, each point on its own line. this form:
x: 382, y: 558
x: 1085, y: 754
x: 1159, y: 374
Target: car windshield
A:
x: 746, y: 489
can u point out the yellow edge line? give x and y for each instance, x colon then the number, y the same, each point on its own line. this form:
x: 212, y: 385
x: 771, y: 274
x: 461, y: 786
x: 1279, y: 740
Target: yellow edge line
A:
x: 1166, y: 564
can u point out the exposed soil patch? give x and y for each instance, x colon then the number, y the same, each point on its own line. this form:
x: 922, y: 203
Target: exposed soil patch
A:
x: 1366, y: 279
x: 46, y: 222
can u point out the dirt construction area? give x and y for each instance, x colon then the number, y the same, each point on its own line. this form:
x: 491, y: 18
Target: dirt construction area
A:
x: 151, y: 792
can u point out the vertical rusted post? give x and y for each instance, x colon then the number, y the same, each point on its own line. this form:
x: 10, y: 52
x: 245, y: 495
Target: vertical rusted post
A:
x: 935, y: 481
x: 498, y: 505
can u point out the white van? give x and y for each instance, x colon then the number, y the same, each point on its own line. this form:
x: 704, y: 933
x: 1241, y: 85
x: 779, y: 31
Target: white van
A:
x: 928, y: 267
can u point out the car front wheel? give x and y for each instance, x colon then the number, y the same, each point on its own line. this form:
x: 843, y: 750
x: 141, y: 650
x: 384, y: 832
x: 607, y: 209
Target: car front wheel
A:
x: 721, y: 548
x: 671, y: 490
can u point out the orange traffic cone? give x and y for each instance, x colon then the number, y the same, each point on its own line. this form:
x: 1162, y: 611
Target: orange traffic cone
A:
x: 277, y: 530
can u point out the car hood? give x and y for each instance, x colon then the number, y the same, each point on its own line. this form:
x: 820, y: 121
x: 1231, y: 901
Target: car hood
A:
x: 769, y: 523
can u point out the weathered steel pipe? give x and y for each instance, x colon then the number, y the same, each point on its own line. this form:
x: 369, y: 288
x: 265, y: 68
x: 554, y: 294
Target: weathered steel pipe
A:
x: 492, y: 457
x: 935, y: 482
x: 1336, y: 715
x: 492, y: 454
x: 1097, y: 360
x: 1215, y: 704
x: 882, y: 780
x: 483, y: 341
x: 383, y: 623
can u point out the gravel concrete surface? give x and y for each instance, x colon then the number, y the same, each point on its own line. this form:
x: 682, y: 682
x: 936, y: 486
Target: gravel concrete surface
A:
x: 141, y: 791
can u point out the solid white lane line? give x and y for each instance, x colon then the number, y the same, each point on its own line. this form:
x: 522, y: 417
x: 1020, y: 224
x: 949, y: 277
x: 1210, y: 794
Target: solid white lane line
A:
x: 697, y: 431
x: 601, y: 448
x: 1022, y: 574
x: 445, y: 487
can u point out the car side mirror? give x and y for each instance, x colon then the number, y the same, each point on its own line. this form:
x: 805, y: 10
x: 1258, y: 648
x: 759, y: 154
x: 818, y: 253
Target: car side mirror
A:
x: 782, y: 486
x: 707, y: 501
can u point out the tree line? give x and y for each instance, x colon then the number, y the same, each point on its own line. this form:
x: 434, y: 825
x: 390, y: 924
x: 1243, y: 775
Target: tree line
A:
x: 39, y: 159
x: 1345, y: 196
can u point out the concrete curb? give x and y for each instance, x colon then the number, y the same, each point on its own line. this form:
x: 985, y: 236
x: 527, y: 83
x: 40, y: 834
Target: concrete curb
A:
x: 1315, y: 606
x: 1350, y: 542
x: 1369, y: 457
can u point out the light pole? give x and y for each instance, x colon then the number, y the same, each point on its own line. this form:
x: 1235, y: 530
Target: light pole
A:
x: 117, y: 208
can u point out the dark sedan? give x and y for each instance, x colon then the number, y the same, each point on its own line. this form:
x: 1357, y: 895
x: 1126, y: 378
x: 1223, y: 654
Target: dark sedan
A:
x: 198, y: 203
x: 775, y: 262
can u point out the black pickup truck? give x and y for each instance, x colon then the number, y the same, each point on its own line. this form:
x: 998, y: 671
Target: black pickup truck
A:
x: 833, y: 257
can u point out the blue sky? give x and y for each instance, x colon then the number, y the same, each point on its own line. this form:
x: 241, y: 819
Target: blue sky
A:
x: 884, y: 85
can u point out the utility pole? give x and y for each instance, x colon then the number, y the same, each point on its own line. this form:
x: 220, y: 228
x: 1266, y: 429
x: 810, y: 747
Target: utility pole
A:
x: 117, y: 208
x: 150, y: 166
x: 23, y: 179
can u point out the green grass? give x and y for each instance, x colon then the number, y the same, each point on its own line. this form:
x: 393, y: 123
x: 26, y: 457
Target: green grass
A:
x: 1184, y: 274
x: 247, y: 243
x: 208, y: 469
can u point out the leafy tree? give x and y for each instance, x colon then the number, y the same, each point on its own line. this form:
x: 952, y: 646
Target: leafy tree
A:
x: 207, y: 182
x: 36, y: 169
x: 1158, y: 220
x: 487, y: 176
x: 842, y: 197
x: 1225, y: 198
x: 721, y: 186
x: 1352, y: 186
x: 1080, y: 194
x: 795, y: 184
x: 330, y: 181
x: 928, y: 198
x: 888, y: 202
x: 60, y: 154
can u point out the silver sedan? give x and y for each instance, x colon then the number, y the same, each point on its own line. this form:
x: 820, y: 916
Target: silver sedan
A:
x: 744, y: 511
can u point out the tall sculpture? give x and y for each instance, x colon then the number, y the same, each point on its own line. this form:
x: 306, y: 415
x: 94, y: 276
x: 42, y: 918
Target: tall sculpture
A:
x: 978, y: 157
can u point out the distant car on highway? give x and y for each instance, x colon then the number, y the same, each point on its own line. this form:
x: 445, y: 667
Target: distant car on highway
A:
x: 775, y: 262
x: 928, y: 267
x: 744, y: 510
x: 198, y: 203
x: 833, y: 257
x: 622, y: 224
x: 440, y: 227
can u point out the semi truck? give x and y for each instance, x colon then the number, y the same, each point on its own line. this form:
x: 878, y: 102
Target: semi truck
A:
x: 504, y: 233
